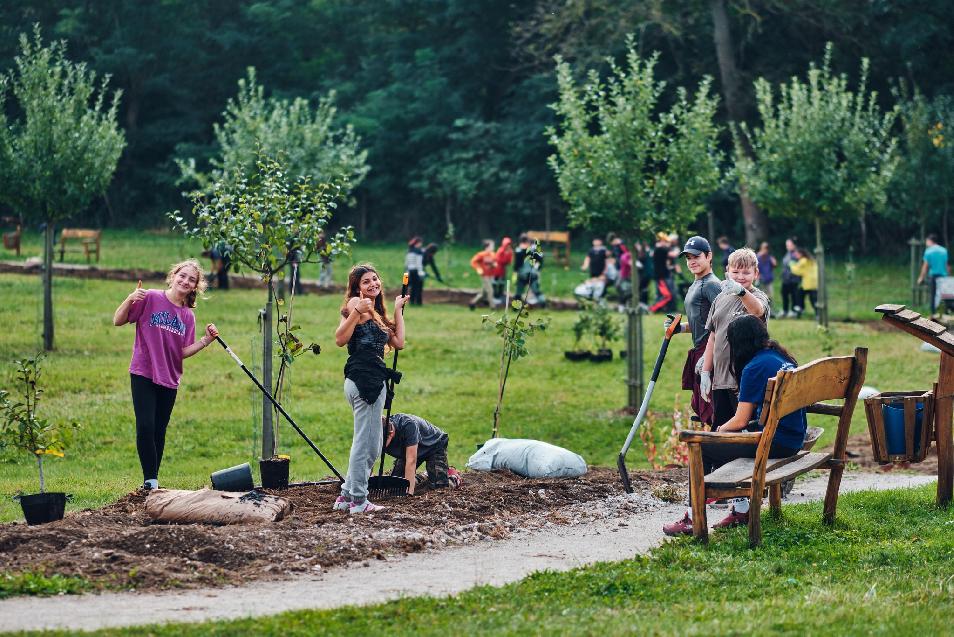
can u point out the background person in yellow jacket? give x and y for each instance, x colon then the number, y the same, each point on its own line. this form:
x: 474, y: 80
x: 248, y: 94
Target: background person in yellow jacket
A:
x: 805, y: 267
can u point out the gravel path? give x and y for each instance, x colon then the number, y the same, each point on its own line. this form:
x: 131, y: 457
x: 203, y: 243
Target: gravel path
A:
x: 628, y: 527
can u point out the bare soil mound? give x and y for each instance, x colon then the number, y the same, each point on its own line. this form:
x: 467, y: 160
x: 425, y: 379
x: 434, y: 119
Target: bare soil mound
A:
x: 118, y: 546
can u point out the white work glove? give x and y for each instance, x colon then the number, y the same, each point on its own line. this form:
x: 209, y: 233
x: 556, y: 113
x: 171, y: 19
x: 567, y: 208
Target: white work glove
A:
x: 705, y: 385
x: 668, y: 322
x: 731, y: 287
x: 699, y: 366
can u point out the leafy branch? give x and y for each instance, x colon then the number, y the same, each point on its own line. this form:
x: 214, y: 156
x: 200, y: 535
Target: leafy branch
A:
x: 514, y: 329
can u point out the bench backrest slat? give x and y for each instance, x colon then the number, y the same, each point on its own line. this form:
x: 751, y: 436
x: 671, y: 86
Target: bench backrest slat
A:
x: 824, y: 379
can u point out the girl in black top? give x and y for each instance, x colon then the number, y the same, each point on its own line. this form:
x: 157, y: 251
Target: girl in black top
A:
x: 366, y: 329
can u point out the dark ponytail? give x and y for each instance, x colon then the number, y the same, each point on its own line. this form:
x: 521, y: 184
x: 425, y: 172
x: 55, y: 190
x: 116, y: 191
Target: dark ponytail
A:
x: 747, y: 336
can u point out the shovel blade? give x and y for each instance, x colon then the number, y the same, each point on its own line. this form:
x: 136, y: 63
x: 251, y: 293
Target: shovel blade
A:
x: 621, y: 465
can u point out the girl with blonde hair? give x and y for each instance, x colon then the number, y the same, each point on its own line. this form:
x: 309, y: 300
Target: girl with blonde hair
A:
x: 165, y: 335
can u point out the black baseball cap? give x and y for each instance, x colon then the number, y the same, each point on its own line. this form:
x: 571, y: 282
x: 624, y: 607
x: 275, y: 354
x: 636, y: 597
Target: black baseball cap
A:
x: 696, y: 246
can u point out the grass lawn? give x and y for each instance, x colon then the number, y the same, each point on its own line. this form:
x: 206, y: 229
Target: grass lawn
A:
x: 884, y: 569
x: 450, y: 370
x: 873, y: 282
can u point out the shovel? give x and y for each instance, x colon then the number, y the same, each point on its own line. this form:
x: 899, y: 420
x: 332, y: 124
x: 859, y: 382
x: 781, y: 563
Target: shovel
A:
x: 279, y: 408
x: 621, y: 461
x: 382, y: 486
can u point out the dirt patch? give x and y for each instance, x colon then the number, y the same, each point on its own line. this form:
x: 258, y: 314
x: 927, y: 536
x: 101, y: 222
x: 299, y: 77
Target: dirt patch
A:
x: 859, y: 453
x: 118, y: 546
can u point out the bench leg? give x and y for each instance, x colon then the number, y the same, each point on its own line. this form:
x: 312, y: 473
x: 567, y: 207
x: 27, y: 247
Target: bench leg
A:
x: 697, y: 494
x: 775, y: 500
x: 831, y: 495
x: 755, y: 514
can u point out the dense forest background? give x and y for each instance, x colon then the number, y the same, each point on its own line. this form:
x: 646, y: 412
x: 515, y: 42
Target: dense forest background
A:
x: 451, y: 97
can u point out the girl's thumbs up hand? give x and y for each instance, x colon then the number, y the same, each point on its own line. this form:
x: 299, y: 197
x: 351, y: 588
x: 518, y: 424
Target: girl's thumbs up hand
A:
x: 364, y: 305
x: 138, y: 294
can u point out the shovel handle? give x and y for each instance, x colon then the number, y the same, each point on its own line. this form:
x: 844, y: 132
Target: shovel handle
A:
x: 674, y: 326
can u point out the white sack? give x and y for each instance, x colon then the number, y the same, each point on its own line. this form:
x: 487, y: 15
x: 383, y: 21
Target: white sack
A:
x: 528, y: 458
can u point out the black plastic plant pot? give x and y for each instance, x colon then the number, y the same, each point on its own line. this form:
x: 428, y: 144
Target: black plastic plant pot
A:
x: 274, y: 472
x: 237, y: 478
x: 577, y: 355
x: 602, y: 356
x: 41, y: 508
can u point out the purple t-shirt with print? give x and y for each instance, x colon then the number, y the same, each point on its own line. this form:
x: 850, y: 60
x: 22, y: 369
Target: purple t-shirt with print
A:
x: 163, y: 329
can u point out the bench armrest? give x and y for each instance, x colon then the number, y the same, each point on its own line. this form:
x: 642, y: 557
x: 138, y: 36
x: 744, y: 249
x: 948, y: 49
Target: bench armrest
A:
x: 719, y: 437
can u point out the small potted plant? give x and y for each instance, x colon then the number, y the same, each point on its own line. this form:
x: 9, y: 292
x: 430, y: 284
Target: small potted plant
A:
x: 580, y: 329
x: 22, y: 430
x: 605, y: 329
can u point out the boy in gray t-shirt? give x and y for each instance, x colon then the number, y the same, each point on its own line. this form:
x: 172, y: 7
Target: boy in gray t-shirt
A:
x: 411, y: 440
x: 703, y: 291
x: 738, y: 297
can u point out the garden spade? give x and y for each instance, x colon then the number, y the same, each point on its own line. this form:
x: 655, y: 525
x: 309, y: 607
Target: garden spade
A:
x: 280, y: 409
x: 382, y: 486
x: 621, y: 461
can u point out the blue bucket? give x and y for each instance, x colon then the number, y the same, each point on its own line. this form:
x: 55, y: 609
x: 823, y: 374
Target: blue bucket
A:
x: 893, y: 414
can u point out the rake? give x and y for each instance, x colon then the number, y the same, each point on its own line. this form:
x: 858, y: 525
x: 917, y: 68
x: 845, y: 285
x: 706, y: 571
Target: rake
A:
x: 280, y: 409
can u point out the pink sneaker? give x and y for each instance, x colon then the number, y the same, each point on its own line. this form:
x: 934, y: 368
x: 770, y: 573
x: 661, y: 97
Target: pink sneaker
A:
x: 365, y: 507
x: 453, y: 477
x: 682, y: 527
x: 733, y: 519
x: 341, y: 504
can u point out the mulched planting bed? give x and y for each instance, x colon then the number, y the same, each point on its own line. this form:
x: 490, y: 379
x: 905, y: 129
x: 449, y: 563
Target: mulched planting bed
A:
x: 118, y: 546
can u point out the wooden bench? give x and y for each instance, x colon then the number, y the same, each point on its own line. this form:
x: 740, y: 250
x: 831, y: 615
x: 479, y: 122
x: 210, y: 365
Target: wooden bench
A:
x: 805, y: 387
x: 89, y: 242
x: 11, y: 240
x: 560, y: 240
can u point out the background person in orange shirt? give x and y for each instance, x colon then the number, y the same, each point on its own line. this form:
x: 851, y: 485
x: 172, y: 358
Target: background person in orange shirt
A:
x: 484, y: 263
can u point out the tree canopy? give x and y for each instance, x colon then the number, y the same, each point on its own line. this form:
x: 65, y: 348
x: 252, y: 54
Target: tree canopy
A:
x: 424, y: 82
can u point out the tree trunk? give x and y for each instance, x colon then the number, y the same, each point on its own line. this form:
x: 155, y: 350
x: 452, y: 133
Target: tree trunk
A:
x: 863, y: 227
x: 48, y: 287
x: 944, y: 226
x: 821, y: 308
x: 710, y: 219
x: 546, y: 212
x: 268, y: 433
x: 363, y: 219
x: 39, y: 467
x: 756, y: 225
x: 634, y: 341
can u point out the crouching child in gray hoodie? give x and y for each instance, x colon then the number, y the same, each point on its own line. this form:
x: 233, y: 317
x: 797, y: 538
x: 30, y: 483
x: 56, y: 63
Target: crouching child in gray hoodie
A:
x: 413, y: 441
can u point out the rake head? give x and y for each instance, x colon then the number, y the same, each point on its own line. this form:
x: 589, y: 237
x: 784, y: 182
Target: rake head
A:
x: 381, y: 487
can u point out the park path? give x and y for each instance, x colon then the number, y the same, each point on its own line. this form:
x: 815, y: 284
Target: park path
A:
x: 625, y: 532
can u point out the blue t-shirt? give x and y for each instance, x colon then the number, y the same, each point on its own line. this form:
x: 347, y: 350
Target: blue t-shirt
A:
x: 936, y: 257
x: 755, y: 376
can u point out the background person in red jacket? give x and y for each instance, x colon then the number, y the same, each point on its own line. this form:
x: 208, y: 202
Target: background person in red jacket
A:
x: 502, y: 260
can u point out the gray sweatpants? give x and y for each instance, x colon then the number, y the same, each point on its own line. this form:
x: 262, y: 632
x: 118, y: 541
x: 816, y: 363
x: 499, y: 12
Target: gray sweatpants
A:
x: 366, y: 444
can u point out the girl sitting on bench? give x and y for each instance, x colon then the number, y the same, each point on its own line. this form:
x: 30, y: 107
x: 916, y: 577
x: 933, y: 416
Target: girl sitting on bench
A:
x: 755, y: 358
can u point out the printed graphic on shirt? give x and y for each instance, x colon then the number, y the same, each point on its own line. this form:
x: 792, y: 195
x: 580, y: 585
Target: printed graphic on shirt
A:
x: 166, y: 320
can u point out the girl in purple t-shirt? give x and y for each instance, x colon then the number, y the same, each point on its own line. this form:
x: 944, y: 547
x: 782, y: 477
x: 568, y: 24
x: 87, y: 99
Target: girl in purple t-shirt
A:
x: 165, y: 334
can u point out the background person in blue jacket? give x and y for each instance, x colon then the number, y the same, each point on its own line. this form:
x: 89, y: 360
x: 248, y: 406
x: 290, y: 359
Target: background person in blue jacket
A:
x: 935, y: 266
